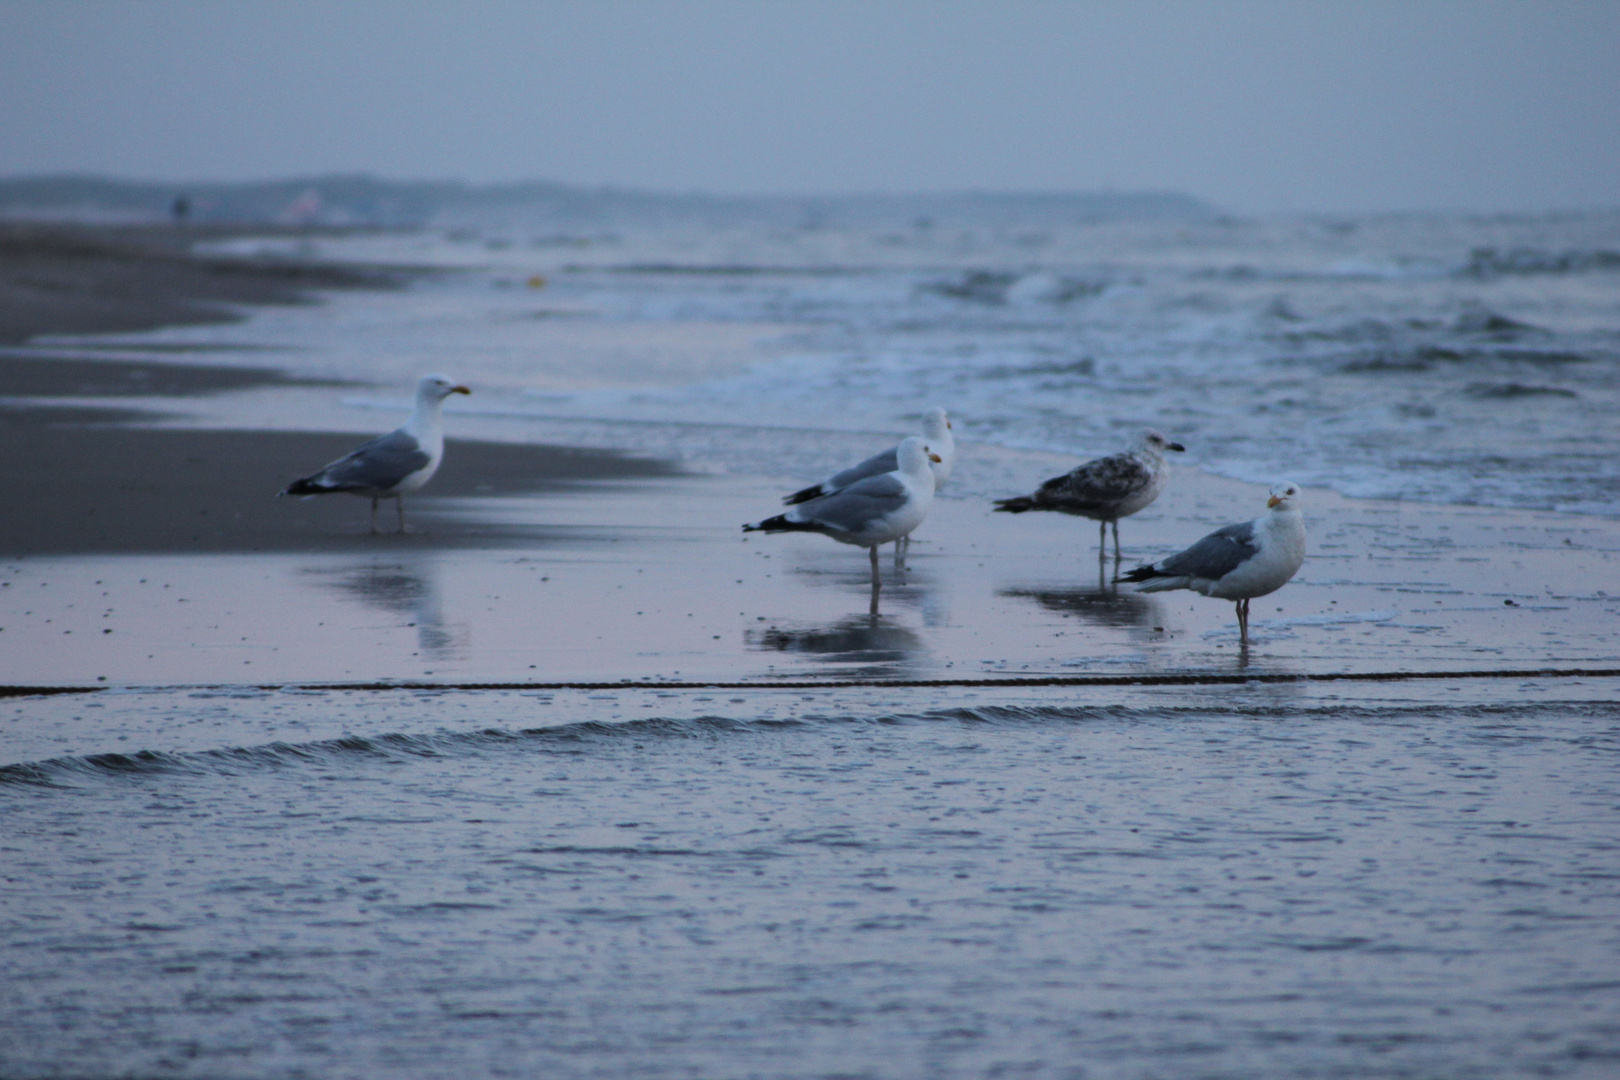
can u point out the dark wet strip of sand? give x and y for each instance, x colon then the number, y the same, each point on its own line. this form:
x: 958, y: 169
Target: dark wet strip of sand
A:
x: 112, y: 489
x: 83, y: 279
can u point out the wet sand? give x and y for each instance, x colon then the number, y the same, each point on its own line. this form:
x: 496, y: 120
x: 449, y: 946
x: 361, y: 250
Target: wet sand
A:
x: 60, y: 279
x: 121, y: 490
x: 651, y: 579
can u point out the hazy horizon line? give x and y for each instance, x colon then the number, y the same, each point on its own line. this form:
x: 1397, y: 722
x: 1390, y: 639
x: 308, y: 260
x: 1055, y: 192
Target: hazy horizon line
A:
x: 619, y: 188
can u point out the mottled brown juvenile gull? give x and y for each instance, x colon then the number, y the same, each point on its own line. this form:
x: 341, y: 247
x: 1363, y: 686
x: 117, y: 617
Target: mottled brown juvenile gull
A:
x: 391, y: 466
x: 1238, y: 562
x: 1106, y: 489
x: 871, y: 511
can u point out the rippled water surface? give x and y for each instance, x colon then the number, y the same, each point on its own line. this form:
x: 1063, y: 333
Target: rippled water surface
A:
x: 1241, y: 883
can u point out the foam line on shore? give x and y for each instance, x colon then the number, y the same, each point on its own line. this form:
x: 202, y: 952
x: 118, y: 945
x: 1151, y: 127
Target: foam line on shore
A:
x: 1187, y: 679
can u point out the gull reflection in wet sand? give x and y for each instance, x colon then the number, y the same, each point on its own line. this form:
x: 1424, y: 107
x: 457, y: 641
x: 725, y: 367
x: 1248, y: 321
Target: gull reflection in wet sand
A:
x: 880, y: 648
x: 409, y: 590
x: 1103, y: 607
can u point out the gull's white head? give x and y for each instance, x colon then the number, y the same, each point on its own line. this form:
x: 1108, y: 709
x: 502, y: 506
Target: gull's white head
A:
x: 935, y: 423
x: 1284, y: 496
x: 914, y: 455
x: 1155, y: 443
x: 439, y: 387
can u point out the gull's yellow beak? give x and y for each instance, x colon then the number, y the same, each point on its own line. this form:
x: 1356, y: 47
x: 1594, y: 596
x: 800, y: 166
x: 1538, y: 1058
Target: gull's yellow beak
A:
x: 1273, y: 501
x: 936, y: 458
x: 947, y: 423
x: 460, y: 390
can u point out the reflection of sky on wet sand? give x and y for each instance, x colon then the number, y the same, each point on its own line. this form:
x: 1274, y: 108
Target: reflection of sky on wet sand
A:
x: 1109, y: 607
x: 410, y: 591
x: 872, y: 646
x: 660, y: 586
x: 912, y: 589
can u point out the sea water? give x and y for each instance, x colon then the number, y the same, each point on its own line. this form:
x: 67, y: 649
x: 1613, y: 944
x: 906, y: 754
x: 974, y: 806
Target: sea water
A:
x: 1244, y: 882
x: 1436, y: 358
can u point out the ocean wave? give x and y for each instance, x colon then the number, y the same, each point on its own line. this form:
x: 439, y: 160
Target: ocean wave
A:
x: 1393, y: 269
x: 396, y: 748
x: 1418, y: 358
x: 675, y: 269
x: 998, y: 287
x: 1428, y: 357
x: 1489, y: 262
x: 1497, y: 327
x: 1508, y: 391
x: 1476, y: 324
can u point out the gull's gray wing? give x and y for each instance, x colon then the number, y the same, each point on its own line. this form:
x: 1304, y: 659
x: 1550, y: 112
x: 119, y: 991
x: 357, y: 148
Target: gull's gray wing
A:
x: 375, y: 466
x: 876, y: 465
x: 856, y: 506
x: 1213, y: 557
x: 1096, y: 485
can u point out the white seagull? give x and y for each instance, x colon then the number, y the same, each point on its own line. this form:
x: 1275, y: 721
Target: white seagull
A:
x: 871, y: 511
x: 391, y: 466
x: 1106, y: 489
x: 1238, y: 562
x: 936, y: 427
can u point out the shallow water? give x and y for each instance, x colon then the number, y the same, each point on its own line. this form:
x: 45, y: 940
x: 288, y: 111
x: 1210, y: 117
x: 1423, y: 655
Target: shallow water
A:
x: 1234, y: 882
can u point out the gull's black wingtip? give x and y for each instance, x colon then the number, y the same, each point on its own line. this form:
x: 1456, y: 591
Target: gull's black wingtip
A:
x: 303, y: 487
x: 803, y: 495
x: 1141, y: 573
x: 1016, y: 505
x: 781, y: 523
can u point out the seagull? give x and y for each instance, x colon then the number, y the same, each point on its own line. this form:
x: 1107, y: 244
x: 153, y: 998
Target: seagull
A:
x: 936, y: 428
x: 391, y: 466
x: 1106, y: 489
x: 1239, y: 562
x: 872, y: 511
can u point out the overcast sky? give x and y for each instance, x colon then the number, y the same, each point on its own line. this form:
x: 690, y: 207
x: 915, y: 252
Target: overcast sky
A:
x: 1254, y: 106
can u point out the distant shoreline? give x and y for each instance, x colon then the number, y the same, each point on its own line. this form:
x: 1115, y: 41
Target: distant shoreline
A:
x: 370, y: 202
x: 96, y: 279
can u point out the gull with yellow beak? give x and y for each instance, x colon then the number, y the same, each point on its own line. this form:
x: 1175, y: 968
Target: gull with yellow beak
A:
x: 395, y: 465
x: 871, y: 511
x: 1239, y: 562
x: 936, y: 430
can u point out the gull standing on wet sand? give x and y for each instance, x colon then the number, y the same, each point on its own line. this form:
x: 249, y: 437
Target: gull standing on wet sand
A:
x: 1238, y: 562
x: 395, y: 465
x: 936, y: 429
x: 1106, y: 489
x: 871, y: 511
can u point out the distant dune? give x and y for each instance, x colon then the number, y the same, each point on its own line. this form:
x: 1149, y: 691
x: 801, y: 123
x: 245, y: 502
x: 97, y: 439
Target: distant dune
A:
x: 367, y: 201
